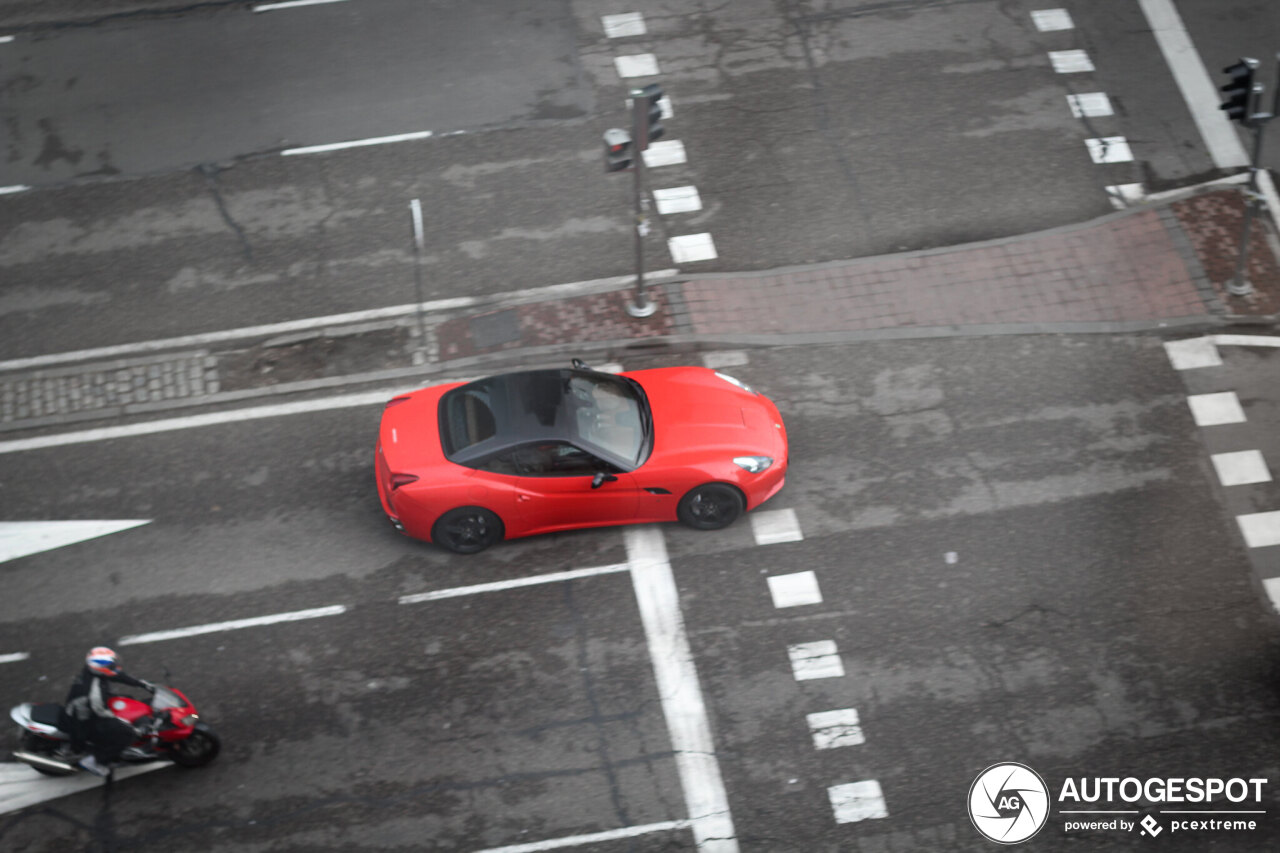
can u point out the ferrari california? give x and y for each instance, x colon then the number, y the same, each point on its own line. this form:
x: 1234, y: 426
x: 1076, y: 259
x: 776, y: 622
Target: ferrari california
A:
x: 465, y: 465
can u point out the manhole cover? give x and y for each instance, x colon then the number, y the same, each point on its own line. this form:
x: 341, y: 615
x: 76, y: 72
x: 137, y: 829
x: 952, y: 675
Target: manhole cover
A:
x: 494, y: 330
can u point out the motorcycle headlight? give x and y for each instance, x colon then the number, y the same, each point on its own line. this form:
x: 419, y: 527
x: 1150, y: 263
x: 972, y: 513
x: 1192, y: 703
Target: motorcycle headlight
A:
x: 754, y: 464
x: 733, y: 381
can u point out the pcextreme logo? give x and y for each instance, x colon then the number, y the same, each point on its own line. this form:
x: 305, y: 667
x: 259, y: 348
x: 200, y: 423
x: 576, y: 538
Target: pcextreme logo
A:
x: 1008, y: 802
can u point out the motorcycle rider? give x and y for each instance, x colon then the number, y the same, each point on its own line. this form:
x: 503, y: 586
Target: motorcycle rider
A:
x: 89, y: 713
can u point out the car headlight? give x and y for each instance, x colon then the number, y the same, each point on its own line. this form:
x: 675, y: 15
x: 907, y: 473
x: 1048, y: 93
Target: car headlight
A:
x: 754, y: 464
x: 732, y: 381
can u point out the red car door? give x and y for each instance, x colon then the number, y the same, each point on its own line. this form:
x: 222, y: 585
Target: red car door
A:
x: 551, y: 483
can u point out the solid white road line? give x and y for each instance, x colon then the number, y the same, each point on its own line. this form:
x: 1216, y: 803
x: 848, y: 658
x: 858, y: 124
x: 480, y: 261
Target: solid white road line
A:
x: 591, y: 838
x: 680, y: 692
x: 358, y: 143
x: 514, y: 583
x: 345, y: 401
x: 14, y: 657
x: 21, y: 786
x: 23, y: 538
x: 1225, y: 148
x: 234, y: 625
x: 289, y: 4
x: 14, y: 188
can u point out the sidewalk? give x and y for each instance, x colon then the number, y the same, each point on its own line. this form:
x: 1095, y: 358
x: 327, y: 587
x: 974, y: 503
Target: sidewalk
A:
x: 1165, y: 263
x: 1159, y: 265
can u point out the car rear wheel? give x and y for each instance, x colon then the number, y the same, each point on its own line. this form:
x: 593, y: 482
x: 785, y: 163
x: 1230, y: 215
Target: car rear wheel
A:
x: 711, y: 506
x: 467, y: 530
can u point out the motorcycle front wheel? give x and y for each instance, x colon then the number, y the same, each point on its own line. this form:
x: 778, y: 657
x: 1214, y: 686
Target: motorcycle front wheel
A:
x: 199, y: 749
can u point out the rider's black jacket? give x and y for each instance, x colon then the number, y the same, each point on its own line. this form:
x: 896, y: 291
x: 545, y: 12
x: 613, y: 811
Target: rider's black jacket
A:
x: 90, y: 694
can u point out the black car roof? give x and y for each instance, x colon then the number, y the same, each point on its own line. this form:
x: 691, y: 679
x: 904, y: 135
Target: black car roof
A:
x: 526, y: 406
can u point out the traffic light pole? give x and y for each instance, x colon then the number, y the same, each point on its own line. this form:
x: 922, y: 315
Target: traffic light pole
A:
x: 641, y: 305
x: 1244, y: 105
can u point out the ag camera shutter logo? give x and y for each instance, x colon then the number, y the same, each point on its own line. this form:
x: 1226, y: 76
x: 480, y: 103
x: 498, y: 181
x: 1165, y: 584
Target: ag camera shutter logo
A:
x: 1008, y: 803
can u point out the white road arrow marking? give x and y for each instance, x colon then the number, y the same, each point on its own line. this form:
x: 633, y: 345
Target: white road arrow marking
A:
x: 20, y: 786
x: 22, y: 538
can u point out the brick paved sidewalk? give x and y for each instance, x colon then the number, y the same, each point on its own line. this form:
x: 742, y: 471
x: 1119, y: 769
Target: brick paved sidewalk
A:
x: 1157, y: 263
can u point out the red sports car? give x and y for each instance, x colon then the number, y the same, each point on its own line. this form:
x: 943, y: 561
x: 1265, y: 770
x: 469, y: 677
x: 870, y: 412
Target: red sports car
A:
x: 464, y: 465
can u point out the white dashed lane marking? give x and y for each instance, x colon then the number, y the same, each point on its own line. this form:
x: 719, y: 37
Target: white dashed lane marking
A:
x: 1110, y: 149
x: 857, y: 801
x: 1090, y: 105
x: 1260, y: 529
x: 677, y: 200
x: 795, y: 590
x: 1241, y: 467
x: 811, y: 661
x: 234, y: 625
x: 834, y: 729
x: 637, y: 65
x: 776, y: 525
x: 665, y: 152
x: 688, y: 248
x: 1047, y: 20
x: 1216, y: 409
x: 724, y: 358
x: 1070, y: 61
x: 624, y: 25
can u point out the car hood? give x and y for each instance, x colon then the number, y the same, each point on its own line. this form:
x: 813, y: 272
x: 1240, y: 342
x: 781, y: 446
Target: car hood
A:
x: 696, y: 410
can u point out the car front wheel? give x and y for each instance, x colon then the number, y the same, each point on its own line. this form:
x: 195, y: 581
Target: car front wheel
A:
x: 467, y: 530
x: 711, y: 506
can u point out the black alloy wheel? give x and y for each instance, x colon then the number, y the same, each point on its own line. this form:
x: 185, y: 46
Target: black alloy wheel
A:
x: 711, y: 506
x: 467, y: 530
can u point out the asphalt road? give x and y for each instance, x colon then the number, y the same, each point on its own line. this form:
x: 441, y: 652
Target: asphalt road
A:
x: 1018, y: 547
x: 811, y: 133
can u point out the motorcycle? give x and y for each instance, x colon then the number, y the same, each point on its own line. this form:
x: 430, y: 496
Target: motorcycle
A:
x: 169, y: 729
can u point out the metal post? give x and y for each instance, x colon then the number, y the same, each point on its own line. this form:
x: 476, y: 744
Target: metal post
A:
x: 641, y: 305
x: 415, y: 212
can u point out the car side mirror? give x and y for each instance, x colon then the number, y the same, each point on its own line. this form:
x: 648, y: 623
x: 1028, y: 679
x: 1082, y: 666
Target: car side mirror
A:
x: 601, y: 478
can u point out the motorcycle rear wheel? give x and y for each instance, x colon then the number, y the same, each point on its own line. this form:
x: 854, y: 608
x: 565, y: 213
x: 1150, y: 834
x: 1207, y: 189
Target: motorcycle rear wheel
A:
x: 40, y: 746
x: 197, y: 750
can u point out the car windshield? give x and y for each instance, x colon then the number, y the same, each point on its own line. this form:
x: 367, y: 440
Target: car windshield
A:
x: 602, y: 413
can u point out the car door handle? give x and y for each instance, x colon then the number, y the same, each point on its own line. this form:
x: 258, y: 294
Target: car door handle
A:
x: 522, y: 498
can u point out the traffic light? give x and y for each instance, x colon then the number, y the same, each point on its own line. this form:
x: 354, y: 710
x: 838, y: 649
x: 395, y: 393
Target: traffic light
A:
x: 1240, y: 89
x: 648, y: 115
x: 617, y: 150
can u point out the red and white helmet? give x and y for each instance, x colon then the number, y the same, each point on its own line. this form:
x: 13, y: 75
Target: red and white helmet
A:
x: 102, y: 661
